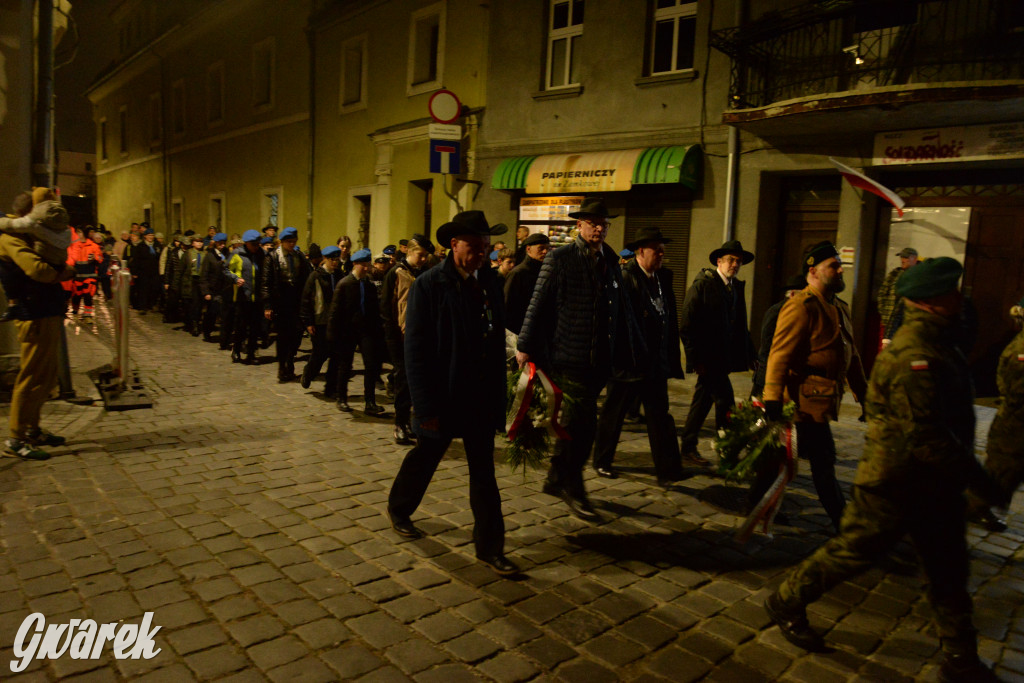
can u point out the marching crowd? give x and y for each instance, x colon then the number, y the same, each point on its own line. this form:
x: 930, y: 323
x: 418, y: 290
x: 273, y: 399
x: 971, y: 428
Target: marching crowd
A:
x: 451, y: 325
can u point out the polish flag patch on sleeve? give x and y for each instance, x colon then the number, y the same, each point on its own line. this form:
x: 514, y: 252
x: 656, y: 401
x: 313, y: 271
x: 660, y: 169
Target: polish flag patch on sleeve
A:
x: 1020, y: 357
x: 918, y: 365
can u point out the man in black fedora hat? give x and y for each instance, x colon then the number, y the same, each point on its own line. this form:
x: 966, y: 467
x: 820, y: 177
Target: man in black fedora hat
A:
x: 654, y: 306
x: 713, y: 327
x: 578, y: 324
x: 455, y: 366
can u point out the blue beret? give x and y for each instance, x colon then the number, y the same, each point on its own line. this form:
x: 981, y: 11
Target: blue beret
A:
x: 626, y: 253
x: 149, y: 231
x: 289, y: 234
x: 250, y: 235
x: 267, y: 239
x: 389, y: 250
x: 934, y: 277
x: 330, y: 252
x: 220, y: 237
x: 494, y: 256
x: 362, y: 256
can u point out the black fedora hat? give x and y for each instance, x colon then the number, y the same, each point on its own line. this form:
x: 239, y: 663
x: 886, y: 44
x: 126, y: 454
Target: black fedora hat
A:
x: 647, y: 234
x: 592, y: 206
x: 468, y: 223
x: 731, y: 247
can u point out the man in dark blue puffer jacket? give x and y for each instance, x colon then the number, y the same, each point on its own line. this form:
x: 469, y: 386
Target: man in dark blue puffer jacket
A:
x: 579, y: 326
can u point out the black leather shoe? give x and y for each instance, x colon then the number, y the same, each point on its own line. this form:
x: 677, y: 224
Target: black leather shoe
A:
x: 987, y: 519
x: 965, y: 669
x: 250, y: 360
x: 606, y: 472
x: 402, y: 437
x: 500, y: 564
x: 581, y: 507
x: 344, y: 407
x: 373, y: 409
x: 305, y: 380
x: 404, y: 527
x: 695, y: 459
x: 794, y: 625
x: 236, y: 357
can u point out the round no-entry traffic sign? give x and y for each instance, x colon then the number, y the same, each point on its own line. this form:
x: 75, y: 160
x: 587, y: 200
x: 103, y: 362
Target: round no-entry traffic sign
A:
x: 444, y: 106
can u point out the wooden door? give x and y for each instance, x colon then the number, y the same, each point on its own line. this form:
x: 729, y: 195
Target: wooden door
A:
x: 994, y: 279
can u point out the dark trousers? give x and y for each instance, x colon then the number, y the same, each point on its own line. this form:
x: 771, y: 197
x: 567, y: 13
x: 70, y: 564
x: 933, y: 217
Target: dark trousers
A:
x: 814, y: 442
x: 484, y: 498
x: 289, y: 336
x: 403, y: 399
x: 171, y: 312
x: 346, y: 352
x: 652, y: 391
x: 871, y: 526
x: 227, y: 320
x: 148, y: 286
x: 248, y: 322
x: 322, y: 352
x: 713, y: 388
x: 566, y: 471
x: 198, y: 305
x: 210, y: 316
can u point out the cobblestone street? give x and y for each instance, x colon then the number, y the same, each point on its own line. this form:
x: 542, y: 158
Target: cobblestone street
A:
x: 250, y: 518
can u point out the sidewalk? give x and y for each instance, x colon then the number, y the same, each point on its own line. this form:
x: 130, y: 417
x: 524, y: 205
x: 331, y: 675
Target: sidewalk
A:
x: 249, y: 517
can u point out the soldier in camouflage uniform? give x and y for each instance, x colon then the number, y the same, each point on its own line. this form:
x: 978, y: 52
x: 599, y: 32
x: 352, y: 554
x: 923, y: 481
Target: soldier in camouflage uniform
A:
x: 918, y: 455
x: 1005, y: 463
x: 887, y: 292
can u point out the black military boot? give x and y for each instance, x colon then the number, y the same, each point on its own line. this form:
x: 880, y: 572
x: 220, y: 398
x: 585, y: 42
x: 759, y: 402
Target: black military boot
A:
x: 371, y: 408
x: 793, y: 624
x: 965, y: 669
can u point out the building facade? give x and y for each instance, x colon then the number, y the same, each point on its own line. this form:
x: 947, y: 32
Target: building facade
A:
x: 204, y: 120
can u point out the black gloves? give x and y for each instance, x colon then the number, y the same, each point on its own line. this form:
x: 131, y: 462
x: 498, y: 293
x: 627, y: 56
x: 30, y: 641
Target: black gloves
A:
x: 773, y: 410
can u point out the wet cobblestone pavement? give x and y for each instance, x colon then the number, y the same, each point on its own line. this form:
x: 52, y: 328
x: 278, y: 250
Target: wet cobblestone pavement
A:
x: 249, y: 517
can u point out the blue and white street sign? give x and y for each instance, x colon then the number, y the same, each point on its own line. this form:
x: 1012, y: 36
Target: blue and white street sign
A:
x: 444, y: 156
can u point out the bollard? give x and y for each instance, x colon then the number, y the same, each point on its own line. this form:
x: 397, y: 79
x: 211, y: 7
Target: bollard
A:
x: 121, y: 282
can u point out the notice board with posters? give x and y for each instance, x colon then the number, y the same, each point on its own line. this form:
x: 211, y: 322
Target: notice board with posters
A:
x: 550, y: 216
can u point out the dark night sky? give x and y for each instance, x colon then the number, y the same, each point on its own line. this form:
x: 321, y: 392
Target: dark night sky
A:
x: 97, y: 47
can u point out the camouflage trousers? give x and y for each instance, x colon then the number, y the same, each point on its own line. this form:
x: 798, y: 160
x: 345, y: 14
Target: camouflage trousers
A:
x: 872, y: 524
x: 1005, y: 466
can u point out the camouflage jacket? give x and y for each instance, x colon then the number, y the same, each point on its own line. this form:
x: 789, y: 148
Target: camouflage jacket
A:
x: 1008, y: 425
x: 887, y: 298
x: 920, y: 412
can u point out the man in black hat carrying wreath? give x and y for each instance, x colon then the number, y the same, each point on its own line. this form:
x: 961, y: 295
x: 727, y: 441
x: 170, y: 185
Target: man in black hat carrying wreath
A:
x: 455, y: 367
x: 654, y: 305
x: 578, y: 326
x: 713, y: 327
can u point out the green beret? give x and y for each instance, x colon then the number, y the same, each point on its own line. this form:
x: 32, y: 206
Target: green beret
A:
x: 934, y: 277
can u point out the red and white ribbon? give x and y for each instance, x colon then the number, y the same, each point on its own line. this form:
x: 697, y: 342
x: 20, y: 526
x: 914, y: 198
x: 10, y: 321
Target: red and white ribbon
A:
x: 524, y: 395
x: 766, y: 509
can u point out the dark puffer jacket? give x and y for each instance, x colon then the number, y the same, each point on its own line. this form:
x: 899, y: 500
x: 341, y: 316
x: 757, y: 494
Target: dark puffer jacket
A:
x: 567, y: 311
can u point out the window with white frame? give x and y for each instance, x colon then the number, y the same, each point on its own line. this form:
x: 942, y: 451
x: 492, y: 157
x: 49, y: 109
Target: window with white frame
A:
x: 122, y: 121
x: 673, y: 35
x: 565, y: 30
x: 215, y: 93
x: 155, y: 119
x: 178, y: 106
x: 263, y: 67
x: 103, y: 139
x: 353, y: 74
x: 270, y: 206
x: 426, y: 49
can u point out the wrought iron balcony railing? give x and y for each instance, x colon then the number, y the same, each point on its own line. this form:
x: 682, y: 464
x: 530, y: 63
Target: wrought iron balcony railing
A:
x: 858, y: 45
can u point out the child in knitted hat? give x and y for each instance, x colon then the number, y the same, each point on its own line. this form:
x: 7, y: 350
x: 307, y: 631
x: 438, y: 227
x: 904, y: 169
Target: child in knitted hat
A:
x: 45, y: 228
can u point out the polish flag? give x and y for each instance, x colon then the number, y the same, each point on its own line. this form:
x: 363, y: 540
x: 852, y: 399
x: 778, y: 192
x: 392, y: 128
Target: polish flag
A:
x: 859, y: 180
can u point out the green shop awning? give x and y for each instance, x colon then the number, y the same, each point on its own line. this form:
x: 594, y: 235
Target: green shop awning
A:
x: 609, y: 171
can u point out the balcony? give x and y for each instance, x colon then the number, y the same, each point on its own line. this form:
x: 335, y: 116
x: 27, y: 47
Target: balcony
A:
x: 886, y: 63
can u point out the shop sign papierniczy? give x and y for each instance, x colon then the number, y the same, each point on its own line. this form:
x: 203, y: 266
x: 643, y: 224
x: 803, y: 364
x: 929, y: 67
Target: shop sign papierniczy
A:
x: 961, y: 143
x: 610, y: 171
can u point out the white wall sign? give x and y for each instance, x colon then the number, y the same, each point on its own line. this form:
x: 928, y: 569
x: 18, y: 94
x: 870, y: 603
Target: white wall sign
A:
x: 548, y: 208
x: 962, y: 143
